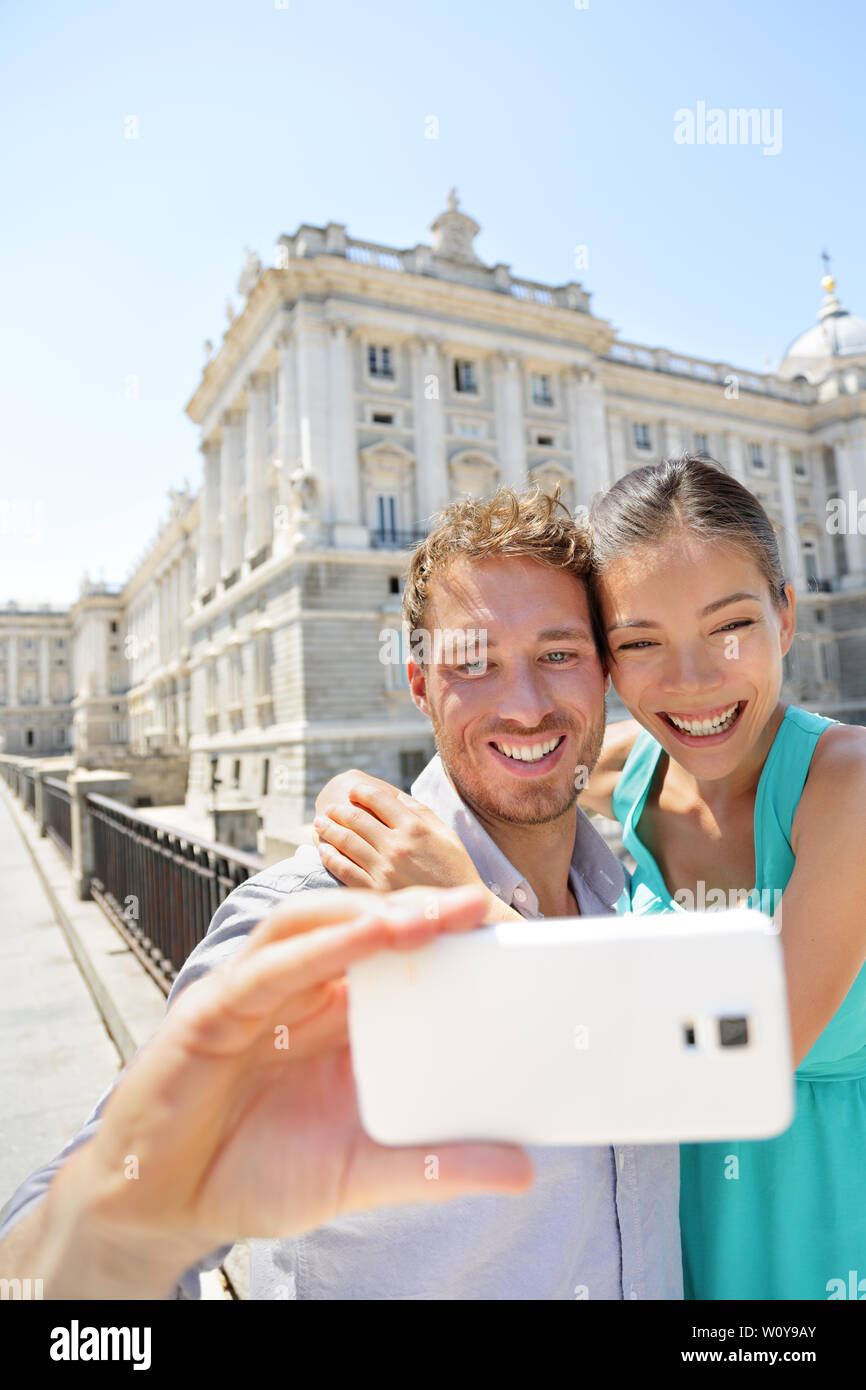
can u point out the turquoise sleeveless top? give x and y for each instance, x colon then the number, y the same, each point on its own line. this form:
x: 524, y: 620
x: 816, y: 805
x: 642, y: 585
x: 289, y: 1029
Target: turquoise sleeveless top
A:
x: 784, y: 1217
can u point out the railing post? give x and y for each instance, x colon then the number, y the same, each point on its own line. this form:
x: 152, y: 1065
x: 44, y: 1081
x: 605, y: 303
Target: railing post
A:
x: 40, y: 799
x: 114, y: 784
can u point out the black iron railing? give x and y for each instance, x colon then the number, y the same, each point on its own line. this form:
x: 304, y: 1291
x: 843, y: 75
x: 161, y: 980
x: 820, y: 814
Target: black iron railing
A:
x: 57, y: 814
x: 395, y: 540
x: 159, y: 888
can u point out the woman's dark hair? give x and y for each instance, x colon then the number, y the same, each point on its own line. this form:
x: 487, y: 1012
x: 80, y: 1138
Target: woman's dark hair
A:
x: 695, y: 493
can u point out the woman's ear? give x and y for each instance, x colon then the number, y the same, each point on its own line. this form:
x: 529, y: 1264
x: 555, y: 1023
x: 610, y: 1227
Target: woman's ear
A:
x: 787, y: 619
x: 606, y: 681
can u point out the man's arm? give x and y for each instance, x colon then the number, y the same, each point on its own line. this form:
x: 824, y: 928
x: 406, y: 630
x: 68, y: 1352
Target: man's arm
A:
x: 23, y: 1219
x: 235, y: 1133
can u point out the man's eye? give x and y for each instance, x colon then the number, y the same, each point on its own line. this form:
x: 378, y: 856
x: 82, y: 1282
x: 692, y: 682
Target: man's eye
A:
x: 562, y: 657
x: 472, y: 668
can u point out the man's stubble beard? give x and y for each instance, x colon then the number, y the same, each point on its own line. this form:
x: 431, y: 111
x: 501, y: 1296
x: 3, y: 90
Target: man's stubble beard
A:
x: 528, y: 804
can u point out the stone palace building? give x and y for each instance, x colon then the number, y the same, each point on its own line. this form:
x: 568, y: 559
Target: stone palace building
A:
x: 359, y: 388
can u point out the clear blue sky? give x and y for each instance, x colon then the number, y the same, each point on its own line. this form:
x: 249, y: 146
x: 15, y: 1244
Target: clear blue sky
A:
x: 555, y: 123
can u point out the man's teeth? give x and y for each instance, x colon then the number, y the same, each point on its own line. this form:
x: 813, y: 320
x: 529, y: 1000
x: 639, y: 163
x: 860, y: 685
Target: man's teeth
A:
x: 699, y: 727
x: 529, y: 755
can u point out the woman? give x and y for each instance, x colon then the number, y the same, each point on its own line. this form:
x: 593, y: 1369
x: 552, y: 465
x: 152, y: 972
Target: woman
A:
x: 726, y: 794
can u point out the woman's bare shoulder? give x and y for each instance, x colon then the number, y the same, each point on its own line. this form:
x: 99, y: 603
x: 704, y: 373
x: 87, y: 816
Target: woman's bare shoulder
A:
x: 619, y: 739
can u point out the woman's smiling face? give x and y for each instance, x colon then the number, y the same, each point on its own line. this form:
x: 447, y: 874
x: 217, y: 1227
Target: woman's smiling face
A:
x: 697, y: 643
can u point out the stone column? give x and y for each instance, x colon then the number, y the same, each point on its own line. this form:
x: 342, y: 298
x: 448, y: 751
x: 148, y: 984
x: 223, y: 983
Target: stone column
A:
x: 587, y: 433
x: 13, y: 667
x: 795, y: 568
x: 230, y: 537
x: 44, y: 671
x: 735, y: 457
x: 80, y: 783
x: 207, y: 560
x: 672, y: 439
x: 288, y: 440
x: 349, y: 529
x: 313, y: 412
x: 258, y: 518
x: 847, y: 481
x: 431, y: 476
x: 509, y: 419
x: 616, y: 439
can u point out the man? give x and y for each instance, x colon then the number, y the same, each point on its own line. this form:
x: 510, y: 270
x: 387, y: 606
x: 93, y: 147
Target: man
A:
x: 517, y: 733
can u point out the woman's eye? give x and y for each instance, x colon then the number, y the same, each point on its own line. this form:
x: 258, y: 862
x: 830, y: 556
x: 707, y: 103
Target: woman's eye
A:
x: 737, y: 622
x: 635, y: 646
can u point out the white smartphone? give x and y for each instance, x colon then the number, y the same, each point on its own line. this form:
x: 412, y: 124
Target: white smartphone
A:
x: 632, y: 1029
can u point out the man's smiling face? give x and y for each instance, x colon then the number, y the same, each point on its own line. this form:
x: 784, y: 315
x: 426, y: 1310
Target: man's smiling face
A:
x: 514, y: 729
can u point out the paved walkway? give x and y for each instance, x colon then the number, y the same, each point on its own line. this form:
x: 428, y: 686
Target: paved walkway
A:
x: 60, y: 992
x: 56, y: 1057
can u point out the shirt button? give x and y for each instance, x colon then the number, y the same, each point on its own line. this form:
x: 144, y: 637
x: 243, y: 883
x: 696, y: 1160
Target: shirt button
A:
x: 520, y: 895
x: 495, y: 888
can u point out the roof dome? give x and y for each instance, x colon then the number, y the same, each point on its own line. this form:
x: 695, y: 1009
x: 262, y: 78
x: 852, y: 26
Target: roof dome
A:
x: 836, y: 334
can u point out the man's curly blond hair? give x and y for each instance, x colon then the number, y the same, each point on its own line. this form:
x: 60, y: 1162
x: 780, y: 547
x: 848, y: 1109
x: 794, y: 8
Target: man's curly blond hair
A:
x: 531, y: 523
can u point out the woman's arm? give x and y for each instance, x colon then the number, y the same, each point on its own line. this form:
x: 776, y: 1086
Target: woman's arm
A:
x: 367, y: 833
x: 618, y: 742
x: 821, y: 916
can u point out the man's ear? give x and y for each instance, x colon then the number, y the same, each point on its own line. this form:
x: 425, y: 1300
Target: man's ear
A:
x: 418, y: 685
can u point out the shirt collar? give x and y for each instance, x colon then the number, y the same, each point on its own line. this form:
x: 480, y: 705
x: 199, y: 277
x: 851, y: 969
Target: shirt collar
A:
x: 597, y: 877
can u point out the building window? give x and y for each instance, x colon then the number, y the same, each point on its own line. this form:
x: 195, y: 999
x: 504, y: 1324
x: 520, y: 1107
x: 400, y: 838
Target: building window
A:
x: 756, y: 457
x: 464, y: 377
x: 113, y: 625
x: 58, y: 641
x: 236, y: 772
x: 798, y: 463
x: 642, y: 437
x: 386, y: 516
x: 379, y: 361
x: 380, y: 417
x: 266, y: 768
x: 31, y: 738
x: 468, y: 429
x: 810, y: 562
x: 394, y: 584
x: 702, y: 445
x: 545, y: 441
x: 541, y: 392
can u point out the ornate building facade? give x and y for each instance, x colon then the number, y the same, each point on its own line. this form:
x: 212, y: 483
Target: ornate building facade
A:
x: 357, y: 391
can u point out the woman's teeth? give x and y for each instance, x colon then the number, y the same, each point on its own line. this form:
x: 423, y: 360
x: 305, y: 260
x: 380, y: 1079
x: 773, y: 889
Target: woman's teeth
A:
x: 700, y: 728
x: 529, y: 755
